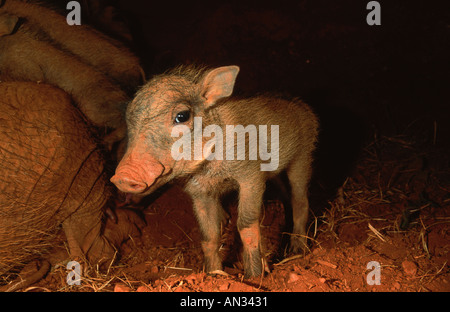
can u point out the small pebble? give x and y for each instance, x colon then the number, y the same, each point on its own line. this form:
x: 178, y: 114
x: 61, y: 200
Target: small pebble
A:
x: 409, y: 267
x: 224, y: 287
x: 396, y: 286
x: 143, y: 289
x: 121, y: 288
x: 293, y: 277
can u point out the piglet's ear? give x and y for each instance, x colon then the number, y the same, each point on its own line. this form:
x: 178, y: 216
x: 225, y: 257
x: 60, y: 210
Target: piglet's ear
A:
x: 218, y: 83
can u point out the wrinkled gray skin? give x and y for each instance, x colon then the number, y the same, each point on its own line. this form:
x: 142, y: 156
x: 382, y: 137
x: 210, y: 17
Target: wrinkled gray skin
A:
x: 148, y: 162
x: 37, y: 44
x: 51, y: 174
x: 51, y: 168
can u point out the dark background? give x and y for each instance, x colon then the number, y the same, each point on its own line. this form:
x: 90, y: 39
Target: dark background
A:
x: 364, y: 81
x: 388, y: 76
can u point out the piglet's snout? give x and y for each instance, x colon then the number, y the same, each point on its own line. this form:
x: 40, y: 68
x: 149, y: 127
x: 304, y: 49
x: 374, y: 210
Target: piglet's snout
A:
x: 136, y: 176
x: 127, y: 184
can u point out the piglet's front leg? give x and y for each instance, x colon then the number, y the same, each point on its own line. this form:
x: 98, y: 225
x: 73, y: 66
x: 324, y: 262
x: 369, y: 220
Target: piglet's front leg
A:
x: 208, y: 212
x: 249, y: 211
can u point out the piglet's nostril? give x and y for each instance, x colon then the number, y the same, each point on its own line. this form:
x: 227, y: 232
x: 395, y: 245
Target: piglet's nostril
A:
x: 129, y: 185
x: 137, y: 186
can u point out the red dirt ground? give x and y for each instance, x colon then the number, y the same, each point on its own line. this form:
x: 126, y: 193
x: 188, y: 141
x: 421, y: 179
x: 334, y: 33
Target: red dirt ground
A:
x: 403, y: 226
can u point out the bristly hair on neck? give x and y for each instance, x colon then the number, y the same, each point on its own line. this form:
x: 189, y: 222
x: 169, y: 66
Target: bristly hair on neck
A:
x: 191, y: 72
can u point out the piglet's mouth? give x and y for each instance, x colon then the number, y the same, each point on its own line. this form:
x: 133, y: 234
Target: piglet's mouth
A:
x: 135, y: 179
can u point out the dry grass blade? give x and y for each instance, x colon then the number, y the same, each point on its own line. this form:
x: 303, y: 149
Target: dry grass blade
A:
x: 377, y: 234
x: 182, y: 231
x: 42, y: 289
x: 423, y: 238
x: 326, y: 263
x: 424, y: 243
x: 177, y: 268
x: 219, y: 272
x: 288, y: 259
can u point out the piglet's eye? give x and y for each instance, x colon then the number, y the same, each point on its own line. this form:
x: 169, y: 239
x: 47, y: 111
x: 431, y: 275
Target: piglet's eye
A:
x: 182, y: 117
